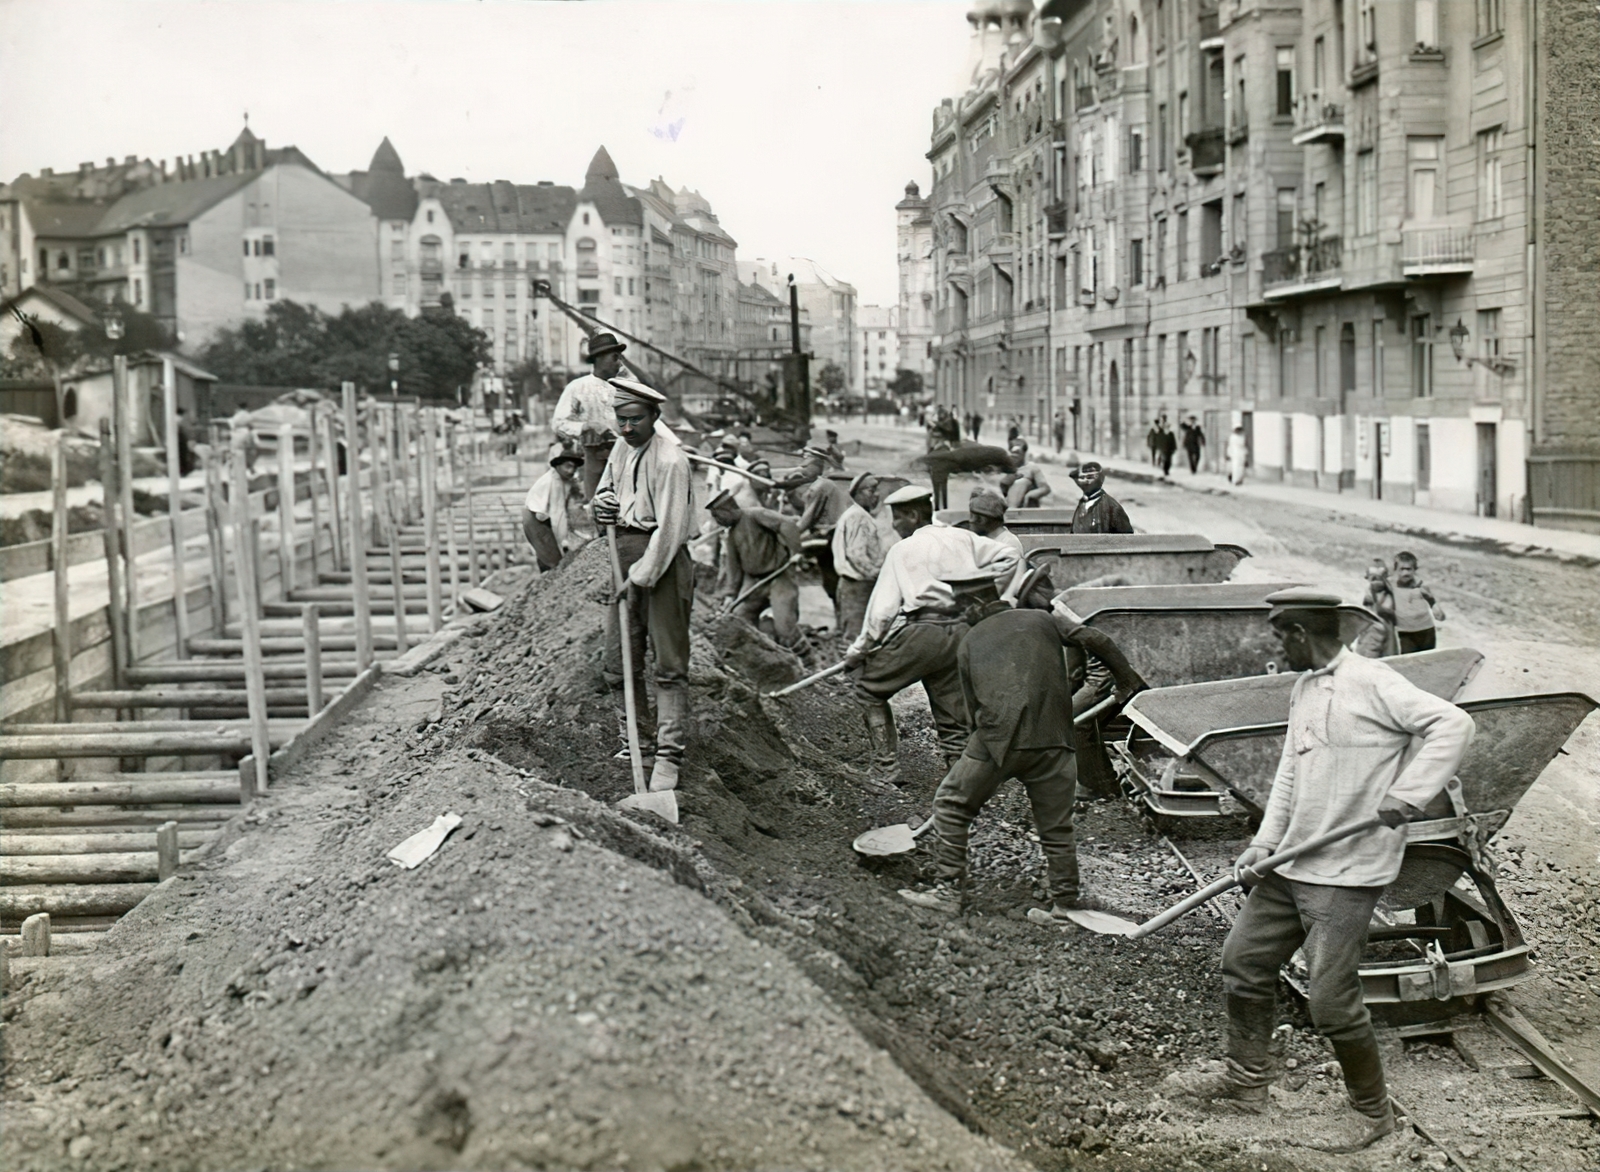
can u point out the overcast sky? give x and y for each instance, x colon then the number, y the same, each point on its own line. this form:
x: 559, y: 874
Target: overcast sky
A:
x: 801, y: 120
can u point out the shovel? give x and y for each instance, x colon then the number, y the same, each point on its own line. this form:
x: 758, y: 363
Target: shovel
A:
x: 733, y: 603
x: 665, y: 803
x: 815, y: 678
x: 900, y: 839
x: 1109, y: 925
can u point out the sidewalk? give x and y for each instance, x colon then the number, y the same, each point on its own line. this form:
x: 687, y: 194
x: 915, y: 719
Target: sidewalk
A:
x: 1457, y: 528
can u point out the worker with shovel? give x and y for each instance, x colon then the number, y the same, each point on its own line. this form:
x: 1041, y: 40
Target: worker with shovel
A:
x: 758, y: 567
x: 645, y: 492
x: 1363, y: 744
x: 1019, y: 694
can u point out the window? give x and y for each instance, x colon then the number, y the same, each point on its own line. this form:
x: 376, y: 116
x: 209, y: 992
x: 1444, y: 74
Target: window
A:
x: 552, y: 253
x: 258, y: 290
x: 1238, y: 227
x: 1285, y: 378
x: 508, y: 253
x: 488, y: 321
x: 1491, y: 203
x: 488, y: 285
x: 1489, y: 335
x: 1285, y: 91
x: 1241, y: 115
x: 138, y: 292
x: 1347, y: 359
x: 1319, y: 67
x: 1161, y: 25
x: 1425, y: 16
x: 270, y: 288
x: 1366, y: 192
x: 1424, y: 192
x: 1319, y: 355
x: 588, y: 297
x: 1135, y: 262
x: 1183, y: 360
x: 1163, y: 147
x: 1319, y: 205
x: 1424, y: 459
x: 183, y: 245
x: 267, y: 246
x: 247, y: 248
x: 1491, y: 17
x: 1377, y: 358
x: 1160, y: 275
x: 630, y: 286
x: 1285, y: 217
x: 1183, y: 247
x: 1421, y: 356
x: 397, y: 250
x: 1367, y: 32
x: 136, y: 250
x: 1211, y: 235
x: 616, y: 283
x: 1183, y: 117
x: 1135, y: 150
x: 1161, y: 364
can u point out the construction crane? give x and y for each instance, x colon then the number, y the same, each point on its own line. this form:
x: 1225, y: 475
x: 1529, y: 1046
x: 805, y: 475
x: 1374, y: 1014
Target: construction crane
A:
x: 786, y: 409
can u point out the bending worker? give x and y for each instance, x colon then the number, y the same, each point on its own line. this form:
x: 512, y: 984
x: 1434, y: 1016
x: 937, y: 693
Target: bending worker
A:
x: 859, y: 548
x: 645, y: 492
x: 913, y: 625
x: 761, y: 543
x: 1348, y: 756
x: 823, y: 502
x: 1019, y: 695
x: 1030, y: 487
x: 583, y: 413
x: 544, y: 511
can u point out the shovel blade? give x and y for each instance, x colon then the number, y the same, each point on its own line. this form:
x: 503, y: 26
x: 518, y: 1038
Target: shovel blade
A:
x: 664, y: 804
x: 1104, y: 923
x: 886, y: 840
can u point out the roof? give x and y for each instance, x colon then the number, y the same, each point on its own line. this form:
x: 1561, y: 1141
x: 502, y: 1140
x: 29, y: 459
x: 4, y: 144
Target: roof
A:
x: 386, y: 158
x: 173, y: 203
x: 760, y: 293
x: 523, y: 208
x: 604, y: 189
x: 383, y: 186
x: 50, y: 218
x: 62, y: 300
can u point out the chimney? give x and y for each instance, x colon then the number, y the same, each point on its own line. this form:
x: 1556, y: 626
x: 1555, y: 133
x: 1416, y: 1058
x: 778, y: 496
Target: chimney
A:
x: 46, y: 172
x: 163, y: 170
x: 261, y: 153
x: 85, y: 168
x: 130, y: 161
x: 111, y: 160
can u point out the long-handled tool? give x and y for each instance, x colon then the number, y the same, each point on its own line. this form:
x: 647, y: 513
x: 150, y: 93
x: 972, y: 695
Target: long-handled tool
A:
x: 665, y: 803
x: 814, y: 678
x: 1109, y: 925
x: 900, y: 839
x: 733, y: 603
x: 765, y: 482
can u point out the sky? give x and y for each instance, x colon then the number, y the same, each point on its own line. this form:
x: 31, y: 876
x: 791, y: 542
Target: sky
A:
x: 800, y: 120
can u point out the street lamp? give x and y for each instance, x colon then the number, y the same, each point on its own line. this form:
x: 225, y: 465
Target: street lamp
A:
x: 394, y: 376
x: 1458, y: 339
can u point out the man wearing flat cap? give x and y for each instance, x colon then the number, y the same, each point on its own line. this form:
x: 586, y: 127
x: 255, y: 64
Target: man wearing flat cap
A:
x: 986, y: 515
x: 1098, y: 511
x: 583, y: 414
x: 1018, y: 689
x: 822, y: 503
x: 645, y: 491
x: 760, y: 543
x: 546, y: 521
x: 914, y: 625
x: 859, y: 547
x: 1362, y: 742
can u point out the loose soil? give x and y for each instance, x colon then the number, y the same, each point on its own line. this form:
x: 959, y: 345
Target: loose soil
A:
x: 564, y: 986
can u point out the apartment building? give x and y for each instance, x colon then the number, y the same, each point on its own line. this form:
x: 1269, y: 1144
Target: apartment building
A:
x: 1314, y: 218
x: 826, y: 301
x: 918, y: 285
x: 877, y: 348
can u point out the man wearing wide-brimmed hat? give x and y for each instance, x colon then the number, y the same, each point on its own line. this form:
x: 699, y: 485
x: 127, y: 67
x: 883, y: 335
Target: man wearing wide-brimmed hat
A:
x: 545, y: 520
x: 583, y: 414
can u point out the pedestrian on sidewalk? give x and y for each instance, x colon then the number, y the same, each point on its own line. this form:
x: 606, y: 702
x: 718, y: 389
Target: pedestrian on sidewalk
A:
x: 1194, y: 439
x: 546, y: 521
x: 1238, y: 449
x: 1098, y: 511
x: 1168, y: 448
x: 859, y: 548
x: 977, y: 427
x: 1152, y: 440
x: 1058, y: 428
x: 1415, y: 608
x: 1353, y: 724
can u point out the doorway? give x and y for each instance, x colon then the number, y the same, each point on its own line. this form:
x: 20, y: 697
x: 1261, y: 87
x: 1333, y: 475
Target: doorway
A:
x: 1487, y: 487
x: 1247, y: 420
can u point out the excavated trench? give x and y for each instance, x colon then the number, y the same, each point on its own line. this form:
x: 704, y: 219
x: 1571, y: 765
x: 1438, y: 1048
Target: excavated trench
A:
x: 1048, y: 1040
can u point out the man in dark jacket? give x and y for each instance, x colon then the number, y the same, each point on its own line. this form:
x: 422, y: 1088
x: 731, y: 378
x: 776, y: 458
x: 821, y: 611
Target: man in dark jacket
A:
x: 1098, y: 512
x: 1019, y: 702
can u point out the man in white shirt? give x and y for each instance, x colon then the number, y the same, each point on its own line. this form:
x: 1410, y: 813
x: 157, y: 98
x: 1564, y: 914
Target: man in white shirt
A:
x: 645, y: 491
x: 859, y: 548
x: 583, y: 414
x: 986, y: 513
x: 545, y: 520
x: 1348, y: 756
x: 913, y: 625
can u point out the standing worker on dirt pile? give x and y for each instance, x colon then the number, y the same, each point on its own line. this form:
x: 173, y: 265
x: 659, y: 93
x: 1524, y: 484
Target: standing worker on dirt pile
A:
x: 1353, y: 723
x: 645, y: 491
x: 913, y: 625
x: 859, y: 548
x: 825, y: 500
x: 761, y: 542
x: 545, y: 518
x: 835, y: 452
x: 1018, y: 690
x: 1098, y: 511
x: 583, y: 413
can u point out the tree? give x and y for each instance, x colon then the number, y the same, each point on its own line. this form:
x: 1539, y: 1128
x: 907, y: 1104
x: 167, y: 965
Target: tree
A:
x: 831, y: 378
x: 43, y: 349
x: 907, y: 384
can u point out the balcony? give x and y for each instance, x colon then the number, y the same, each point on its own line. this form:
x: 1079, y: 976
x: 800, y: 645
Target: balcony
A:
x: 1302, y: 269
x: 1318, y: 121
x: 1436, y: 252
x: 1056, y: 220
x: 1208, y: 151
x: 1238, y: 131
x: 1002, y: 248
x: 956, y: 266
x: 588, y: 268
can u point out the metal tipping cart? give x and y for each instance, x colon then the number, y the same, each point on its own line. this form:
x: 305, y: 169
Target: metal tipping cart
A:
x: 1141, y: 558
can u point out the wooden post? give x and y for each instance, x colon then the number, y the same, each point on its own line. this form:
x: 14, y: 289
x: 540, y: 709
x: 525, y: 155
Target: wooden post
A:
x: 122, y: 425
x: 455, y: 556
x: 472, y: 537
x: 36, y: 935
x: 120, y: 658
x: 357, y: 544
x: 378, y: 446
x: 391, y: 525
x: 286, y: 550
x: 316, y: 501
x: 430, y: 521
x: 252, y: 558
x: 331, y: 438
x: 62, y: 642
x: 211, y: 461
x: 250, y: 614
x: 311, y: 630
x: 166, y: 851
x: 180, y: 590
x: 409, y: 460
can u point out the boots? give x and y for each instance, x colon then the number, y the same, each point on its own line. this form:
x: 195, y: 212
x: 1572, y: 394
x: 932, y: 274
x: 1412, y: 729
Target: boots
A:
x: 885, y: 743
x: 1369, y: 1095
x: 1243, y: 1085
x: 663, y: 775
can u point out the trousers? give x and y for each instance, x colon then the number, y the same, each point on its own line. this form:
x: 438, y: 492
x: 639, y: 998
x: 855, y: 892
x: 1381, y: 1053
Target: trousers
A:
x: 1411, y: 641
x: 851, y: 605
x: 1330, y: 925
x: 783, y: 596
x: 1050, y: 777
x: 546, y: 549
x: 925, y: 653
x: 660, y: 613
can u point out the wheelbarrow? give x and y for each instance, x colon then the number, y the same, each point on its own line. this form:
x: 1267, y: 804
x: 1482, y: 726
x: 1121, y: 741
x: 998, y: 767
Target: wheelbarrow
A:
x: 1141, y: 559
x: 1021, y: 521
x: 1192, y: 633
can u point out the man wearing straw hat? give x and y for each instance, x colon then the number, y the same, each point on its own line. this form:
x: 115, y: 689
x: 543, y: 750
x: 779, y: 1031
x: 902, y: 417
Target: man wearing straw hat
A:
x: 1362, y: 742
x: 583, y: 414
x: 544, y: 513
x: 645, y: 491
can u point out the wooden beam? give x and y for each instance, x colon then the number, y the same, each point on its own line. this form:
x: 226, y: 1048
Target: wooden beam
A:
x: 137, y: 744
x: 209, y: 787
x: 362, y: 603
x: 61, y: 642
x: 231, y: 672
x: 428, y: 460
x: 180, y: 595
x: 71, y: 899
x: 97, y: 844
x: 120, y: 658
x: 313, y: 642
x: 122, y: 424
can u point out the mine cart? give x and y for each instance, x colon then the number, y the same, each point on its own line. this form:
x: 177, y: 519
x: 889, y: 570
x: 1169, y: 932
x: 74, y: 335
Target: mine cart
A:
x: 1022, y: 522
x: 1192, y: 633
x: 1441, y: 935
x: 1152, y: 559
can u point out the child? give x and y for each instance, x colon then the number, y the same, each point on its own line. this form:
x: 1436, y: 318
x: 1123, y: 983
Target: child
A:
x: 1378, y: 641
x: 1415, y: 608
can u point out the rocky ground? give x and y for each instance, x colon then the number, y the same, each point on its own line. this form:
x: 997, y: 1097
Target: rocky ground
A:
x: 564, y: 986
